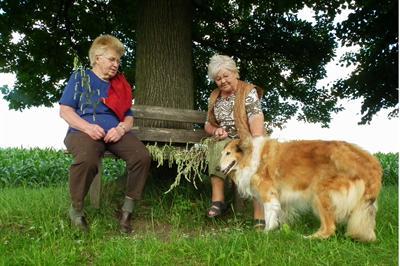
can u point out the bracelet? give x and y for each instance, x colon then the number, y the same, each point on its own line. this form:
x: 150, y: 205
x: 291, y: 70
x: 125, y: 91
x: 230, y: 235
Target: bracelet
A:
x: 123, y: 127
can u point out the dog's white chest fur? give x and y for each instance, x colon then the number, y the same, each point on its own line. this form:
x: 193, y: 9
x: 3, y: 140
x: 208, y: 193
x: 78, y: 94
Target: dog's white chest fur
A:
x: 245, y: 174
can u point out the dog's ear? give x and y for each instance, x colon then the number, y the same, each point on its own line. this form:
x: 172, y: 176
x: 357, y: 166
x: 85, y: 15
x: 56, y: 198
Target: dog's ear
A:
x: 239, y: 149
x: 235, y: 144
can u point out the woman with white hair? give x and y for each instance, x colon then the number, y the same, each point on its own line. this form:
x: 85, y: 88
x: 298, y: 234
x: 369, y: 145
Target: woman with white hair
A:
x: 234, y: 109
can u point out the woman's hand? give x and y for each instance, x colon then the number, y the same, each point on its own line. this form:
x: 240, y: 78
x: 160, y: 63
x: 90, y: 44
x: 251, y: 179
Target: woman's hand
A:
x: 220, y: 133
x: 94, y: 131
x: 75, y: 121
x: 114, y: 134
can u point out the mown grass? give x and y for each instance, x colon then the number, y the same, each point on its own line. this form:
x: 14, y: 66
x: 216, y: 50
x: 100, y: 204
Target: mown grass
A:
x: 171, y: 229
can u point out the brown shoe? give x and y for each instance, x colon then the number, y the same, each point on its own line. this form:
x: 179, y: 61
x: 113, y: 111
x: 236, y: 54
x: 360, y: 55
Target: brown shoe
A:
x: 125, y: 222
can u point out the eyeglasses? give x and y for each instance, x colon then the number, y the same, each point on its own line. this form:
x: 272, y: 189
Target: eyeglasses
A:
x: 112, y: 59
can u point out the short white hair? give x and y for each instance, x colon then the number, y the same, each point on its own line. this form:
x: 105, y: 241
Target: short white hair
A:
x: 101, y: 44
x: 219, y: 62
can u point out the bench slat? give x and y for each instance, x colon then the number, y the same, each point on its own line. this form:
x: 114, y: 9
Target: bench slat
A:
x: 168, y: 114
x: 169, y: 135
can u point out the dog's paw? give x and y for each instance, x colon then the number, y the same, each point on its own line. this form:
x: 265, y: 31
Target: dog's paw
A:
x: 271, y: 212
x: 271, y: 223
x: 318, y: 235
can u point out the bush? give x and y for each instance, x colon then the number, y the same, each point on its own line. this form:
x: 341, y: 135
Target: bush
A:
x: 390, y: 166
x: 33, y: 167
x: 44, y: 167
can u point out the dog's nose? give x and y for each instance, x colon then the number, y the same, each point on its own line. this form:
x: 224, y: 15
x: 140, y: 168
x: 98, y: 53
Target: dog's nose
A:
x: 218, y: 168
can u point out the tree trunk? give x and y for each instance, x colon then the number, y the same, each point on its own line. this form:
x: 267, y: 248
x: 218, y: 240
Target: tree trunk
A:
x: 164, y: 75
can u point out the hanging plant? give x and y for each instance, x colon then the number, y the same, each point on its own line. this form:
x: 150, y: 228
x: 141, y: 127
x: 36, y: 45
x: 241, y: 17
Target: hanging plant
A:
x: 191, y: 161
x: 86, y: 96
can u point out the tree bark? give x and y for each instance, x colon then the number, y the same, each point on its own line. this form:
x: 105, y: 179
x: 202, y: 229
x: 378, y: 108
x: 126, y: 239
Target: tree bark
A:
x: 164, y: 74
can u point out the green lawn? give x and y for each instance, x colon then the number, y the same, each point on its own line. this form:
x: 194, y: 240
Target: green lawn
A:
x: 171, y: 229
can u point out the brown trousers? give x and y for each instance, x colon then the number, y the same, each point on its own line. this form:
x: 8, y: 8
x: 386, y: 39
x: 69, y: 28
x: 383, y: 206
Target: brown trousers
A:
x: 87, y: 154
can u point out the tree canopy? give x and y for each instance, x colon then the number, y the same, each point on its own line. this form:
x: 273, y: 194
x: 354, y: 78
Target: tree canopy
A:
x: 273, y: 47
x: 373, y: 26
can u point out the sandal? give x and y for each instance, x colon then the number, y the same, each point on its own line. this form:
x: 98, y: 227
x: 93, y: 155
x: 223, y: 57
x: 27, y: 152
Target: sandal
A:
x: 217, y: 209
x: 259, y: 224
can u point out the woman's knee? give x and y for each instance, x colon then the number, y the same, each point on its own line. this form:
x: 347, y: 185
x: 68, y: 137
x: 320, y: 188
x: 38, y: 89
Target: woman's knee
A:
x: 139, y: 158
x: 146, y: 158
x: 87, y: 159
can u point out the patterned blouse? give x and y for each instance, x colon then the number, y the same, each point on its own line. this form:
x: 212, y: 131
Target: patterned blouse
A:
x: 223, y: 111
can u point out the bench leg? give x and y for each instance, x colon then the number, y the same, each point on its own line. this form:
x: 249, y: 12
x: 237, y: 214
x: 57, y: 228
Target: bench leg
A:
x: 95, y: 188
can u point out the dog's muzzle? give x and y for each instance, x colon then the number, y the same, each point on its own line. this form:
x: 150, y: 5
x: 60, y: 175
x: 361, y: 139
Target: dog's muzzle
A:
x: 228, y: 168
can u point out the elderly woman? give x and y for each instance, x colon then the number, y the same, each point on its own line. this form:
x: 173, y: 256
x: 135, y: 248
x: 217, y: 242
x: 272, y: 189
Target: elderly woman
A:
x: 233, y: 105
x: 96, y: 105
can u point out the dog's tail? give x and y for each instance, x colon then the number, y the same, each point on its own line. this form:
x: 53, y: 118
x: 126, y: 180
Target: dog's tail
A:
x: 361, y: 223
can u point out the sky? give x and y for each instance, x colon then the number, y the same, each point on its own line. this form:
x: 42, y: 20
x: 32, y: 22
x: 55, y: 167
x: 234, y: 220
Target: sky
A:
x: 42, y: 127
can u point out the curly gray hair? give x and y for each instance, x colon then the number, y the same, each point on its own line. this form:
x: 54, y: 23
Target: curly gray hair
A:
x: 219, y: 62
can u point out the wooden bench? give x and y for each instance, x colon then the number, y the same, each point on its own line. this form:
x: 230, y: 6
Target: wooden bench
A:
x: 194, y: 133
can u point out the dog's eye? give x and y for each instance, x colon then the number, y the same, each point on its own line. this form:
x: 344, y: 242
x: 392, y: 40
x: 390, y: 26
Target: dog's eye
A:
x: 228, y: 153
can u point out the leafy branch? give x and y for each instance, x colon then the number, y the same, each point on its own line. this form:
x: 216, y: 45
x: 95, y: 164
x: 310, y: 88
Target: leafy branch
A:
x: 86, y: 97
x: 191, y: 161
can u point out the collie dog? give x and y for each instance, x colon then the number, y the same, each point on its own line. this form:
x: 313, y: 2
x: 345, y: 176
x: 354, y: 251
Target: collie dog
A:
x: 338, y: 181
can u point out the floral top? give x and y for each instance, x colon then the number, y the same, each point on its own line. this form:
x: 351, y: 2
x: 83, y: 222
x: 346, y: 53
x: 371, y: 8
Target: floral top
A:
x: 223, y: 111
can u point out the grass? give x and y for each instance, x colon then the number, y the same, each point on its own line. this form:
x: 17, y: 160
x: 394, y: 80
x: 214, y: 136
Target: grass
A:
x: 171, y: 229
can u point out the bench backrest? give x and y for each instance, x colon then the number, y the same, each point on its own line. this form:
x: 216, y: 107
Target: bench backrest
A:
x: 169, y: 135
